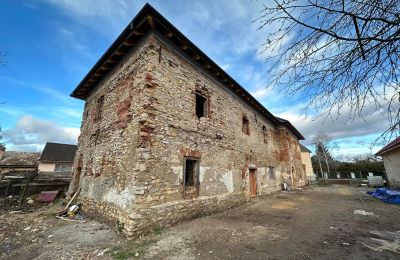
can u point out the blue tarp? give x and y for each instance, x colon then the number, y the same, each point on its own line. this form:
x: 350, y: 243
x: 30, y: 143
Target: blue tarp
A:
x: 386, y: 195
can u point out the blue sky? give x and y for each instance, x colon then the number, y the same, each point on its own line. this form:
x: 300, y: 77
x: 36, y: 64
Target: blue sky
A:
x: 52, y: 44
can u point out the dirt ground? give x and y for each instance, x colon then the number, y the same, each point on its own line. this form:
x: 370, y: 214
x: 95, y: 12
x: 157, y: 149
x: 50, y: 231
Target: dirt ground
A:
x: 315, y: 223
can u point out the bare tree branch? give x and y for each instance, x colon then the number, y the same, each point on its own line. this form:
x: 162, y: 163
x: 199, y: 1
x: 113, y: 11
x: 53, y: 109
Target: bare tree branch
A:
x: 3, y: 60
x: 337, y: 54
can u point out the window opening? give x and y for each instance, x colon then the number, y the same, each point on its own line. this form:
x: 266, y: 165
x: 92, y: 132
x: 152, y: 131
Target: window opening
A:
x: 191, y: 169
x: 99, y: 111
x: 271, y: 171
x: 265, y: 134
x: 245, y: 125
x: 201, y: 106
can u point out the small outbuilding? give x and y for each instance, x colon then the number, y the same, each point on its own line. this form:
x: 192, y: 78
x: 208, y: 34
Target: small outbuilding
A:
x: 57, y: 157
x: 391, y: 159
x: 306, y: 162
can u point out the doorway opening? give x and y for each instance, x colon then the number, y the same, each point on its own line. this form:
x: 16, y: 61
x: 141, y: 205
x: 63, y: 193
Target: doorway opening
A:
x: 253, y: 183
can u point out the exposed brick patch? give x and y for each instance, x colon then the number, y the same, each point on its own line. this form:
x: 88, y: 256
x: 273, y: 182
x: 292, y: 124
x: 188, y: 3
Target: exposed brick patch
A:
x: 190, y: 153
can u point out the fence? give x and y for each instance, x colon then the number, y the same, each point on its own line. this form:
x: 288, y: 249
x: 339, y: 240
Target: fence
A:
x: 356, y: 178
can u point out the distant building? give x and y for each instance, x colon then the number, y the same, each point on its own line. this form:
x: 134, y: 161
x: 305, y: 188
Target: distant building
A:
x: 57, y: 157
x: 391, y: 159
x: 306, y: 161
x: 12, y: 162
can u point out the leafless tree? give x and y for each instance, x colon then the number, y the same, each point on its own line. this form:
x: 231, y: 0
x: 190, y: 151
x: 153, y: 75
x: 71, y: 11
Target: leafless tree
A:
x: 323, y: 150
x: 1, y: 137
x: 3, y: 60
x: 337, y: 53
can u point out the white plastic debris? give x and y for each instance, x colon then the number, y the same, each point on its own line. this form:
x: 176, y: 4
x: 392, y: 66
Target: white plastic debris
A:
x: 363, y: 212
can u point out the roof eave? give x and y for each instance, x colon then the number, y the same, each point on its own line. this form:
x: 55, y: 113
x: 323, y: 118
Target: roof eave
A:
x: 385, y: 151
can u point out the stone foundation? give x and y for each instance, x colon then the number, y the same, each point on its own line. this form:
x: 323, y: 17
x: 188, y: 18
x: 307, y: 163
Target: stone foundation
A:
x: 144, y: 219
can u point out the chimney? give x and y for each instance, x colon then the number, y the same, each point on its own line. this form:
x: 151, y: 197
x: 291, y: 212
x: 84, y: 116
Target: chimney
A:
x: 2, y: 151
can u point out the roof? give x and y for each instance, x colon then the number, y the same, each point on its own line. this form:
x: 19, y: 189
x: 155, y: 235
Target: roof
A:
x: 55, y: 152
x: 149, y: 20
x: 291, y: 127
x: 393, y: 145
x: 13, y: 158
x: 304, y: 149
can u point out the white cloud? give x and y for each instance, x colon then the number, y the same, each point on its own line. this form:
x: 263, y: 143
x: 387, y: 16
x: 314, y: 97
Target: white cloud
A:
x: 50, y: 92
x: 369, y: 122
x: 261, y: 93
x: 31, y: 134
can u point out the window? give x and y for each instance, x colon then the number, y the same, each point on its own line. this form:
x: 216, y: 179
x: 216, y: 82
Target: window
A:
x: 265, y: 134
x: 271, y: 172
x: 191, y: 169
x: 99, y: 108
x: 201, y: 106
x: 245, y: 125
x: 62, y: 168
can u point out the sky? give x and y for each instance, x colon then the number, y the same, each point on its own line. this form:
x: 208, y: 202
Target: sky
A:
x: 50, y: 45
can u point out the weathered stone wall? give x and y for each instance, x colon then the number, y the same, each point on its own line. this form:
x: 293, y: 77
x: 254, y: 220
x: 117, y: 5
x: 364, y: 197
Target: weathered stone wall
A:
x: 109, y: 149
x: 224, y: 150
x: 129, y: 163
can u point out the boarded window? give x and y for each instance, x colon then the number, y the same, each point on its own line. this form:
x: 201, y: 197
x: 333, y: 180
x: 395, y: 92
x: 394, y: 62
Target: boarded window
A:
x: 271, y: 172
x: 265, y: 134
x: 245, y: 125
x: 99, y: 108
x: 201, y: 106
x: 191, y: 172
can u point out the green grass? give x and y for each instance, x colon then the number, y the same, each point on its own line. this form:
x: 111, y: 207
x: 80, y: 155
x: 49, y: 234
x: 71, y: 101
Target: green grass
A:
x: 120, y: 253
x: 158, y: 230
x: 119, y: 226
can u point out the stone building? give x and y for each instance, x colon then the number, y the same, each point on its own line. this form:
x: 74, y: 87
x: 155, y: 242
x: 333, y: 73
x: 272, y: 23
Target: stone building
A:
x: 168, y: 135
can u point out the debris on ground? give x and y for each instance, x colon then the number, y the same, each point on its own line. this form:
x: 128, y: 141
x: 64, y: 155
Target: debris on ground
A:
x: 386, y: 195
x: 71, y: 212
x: 389, y: 241
x: 363, y: 212
x: 257, y: 230
x: 47, y: 196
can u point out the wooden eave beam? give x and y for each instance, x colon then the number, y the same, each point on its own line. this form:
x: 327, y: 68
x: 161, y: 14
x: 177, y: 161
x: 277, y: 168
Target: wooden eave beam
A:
x: 120, y: 52
x: 112, y: 60
x: 129, y: 42
x: 168, y: 34
x: 196, y: 56
x: 106, y: 66
x: 150, y: 20
x: 138, y: 32
x: 99, y: 73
